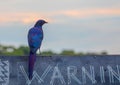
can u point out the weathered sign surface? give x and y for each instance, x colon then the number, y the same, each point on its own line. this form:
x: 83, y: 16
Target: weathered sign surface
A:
x: 61, y: 70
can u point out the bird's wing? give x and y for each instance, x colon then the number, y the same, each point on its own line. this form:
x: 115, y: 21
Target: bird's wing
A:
x: 35, y: 38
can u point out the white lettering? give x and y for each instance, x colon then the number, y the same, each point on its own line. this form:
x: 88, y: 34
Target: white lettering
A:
x: 57, y: 75
x: 90, y: 75
x: 72, y: 71
x: 113, y: 74
x: 102, y: 74
x: 35, y: 75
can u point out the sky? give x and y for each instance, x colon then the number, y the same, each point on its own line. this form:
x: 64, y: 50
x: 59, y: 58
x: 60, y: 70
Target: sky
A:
x: 79, y: 25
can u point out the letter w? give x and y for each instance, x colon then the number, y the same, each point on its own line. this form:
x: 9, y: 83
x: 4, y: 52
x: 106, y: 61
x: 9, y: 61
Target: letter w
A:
x: 35, y: 75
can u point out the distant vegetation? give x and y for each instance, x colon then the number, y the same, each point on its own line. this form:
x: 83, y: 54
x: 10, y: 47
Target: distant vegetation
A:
x: 24, y: 50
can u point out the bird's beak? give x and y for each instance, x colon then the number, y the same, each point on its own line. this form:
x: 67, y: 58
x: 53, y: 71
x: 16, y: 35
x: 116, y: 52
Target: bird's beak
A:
x: 46, y: 22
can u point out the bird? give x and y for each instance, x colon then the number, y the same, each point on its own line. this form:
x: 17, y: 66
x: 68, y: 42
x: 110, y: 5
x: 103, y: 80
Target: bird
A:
x: 35, y: 37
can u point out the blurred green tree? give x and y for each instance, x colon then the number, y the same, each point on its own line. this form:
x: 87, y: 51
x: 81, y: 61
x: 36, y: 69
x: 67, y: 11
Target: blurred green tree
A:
x: 24, y: 50
x: 48, y: 53
x: 67, y: 52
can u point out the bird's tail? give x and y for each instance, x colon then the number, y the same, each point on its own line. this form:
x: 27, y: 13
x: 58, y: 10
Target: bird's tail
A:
x: 32, y: 59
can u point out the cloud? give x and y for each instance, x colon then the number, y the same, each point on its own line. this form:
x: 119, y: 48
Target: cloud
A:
x: 25, y: 18
x: 29, y: 17
x: 89, y: 35
x: 91, y: 12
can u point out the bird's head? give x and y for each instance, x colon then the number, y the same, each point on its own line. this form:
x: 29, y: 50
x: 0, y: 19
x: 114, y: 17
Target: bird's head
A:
x: 40, y: 23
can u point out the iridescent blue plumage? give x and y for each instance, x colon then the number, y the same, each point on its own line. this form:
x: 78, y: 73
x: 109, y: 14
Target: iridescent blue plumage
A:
x: 35, y: 37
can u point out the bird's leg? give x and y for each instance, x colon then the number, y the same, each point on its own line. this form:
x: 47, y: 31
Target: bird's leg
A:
x: 39, y: 51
